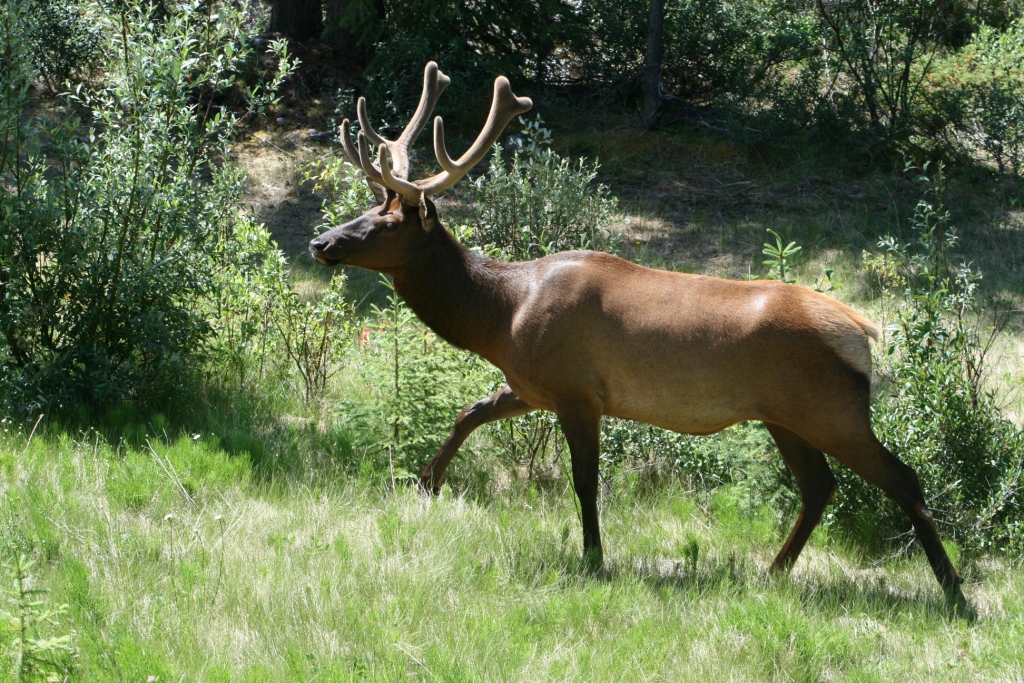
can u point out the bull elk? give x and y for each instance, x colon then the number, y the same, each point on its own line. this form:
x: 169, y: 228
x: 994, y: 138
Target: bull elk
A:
x: 585, y: 334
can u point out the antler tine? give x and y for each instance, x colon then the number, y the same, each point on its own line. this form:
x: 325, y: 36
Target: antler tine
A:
x: 345, y: 136
x: 364, y: 161
x: 359, y: 158
x: 364, y: 123
x: 434, y: 83
x: 412, y: 195
x: 504, y: 107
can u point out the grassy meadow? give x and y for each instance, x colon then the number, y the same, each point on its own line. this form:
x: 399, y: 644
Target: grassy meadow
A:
x: 177, y: 564
x: 209, y: 443
x: 255, y: 537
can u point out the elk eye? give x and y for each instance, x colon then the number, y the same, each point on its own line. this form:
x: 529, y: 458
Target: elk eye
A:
x: 390, y: 226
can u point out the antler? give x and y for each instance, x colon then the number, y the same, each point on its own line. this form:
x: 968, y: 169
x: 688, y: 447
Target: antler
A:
x: 504, y: 107
x: 434, y: 83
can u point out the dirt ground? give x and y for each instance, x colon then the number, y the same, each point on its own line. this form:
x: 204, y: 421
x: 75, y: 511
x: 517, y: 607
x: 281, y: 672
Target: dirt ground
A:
x: 274, y: 160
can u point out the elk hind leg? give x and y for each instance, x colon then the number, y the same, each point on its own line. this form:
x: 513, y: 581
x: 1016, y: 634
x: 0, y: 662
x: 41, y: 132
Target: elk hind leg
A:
x: 875, y: 464
x: 817, y: 486
x: 502, y: 404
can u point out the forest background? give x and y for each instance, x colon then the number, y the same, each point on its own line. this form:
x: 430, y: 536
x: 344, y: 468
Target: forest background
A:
x: 209, y: 442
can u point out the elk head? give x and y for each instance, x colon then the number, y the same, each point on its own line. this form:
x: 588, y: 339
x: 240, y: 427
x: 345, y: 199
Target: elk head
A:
x: 385, y: 238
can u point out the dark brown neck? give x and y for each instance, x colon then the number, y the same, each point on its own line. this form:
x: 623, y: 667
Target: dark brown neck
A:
x: 465, y: 298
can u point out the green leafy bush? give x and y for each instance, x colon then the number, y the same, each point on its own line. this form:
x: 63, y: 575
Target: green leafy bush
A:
x: 980, y: 97
x: 343, y: 187
x: 718, y: 50
x: 64, y: 41
x: 472, y: 42
x: 114, y: 232
x: 935, y: 413
x: 314, y: 335
x: 415, y: 385
x: 247, y: 306
x: 539, y: 204
x: 885, y: 50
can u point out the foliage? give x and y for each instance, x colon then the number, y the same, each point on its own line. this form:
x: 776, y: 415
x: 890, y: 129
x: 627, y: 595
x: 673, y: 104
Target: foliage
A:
x: 608, y: 45
x: 755, y: 69
x: 539, y: 204
x: 416, y: 384
x: 742, y: 459
x: 886, y: 50
x: 268, y: 325
x: 980, y: 97
x: 247, y: 307
x: 713, y: 49
x: 717, y: 50
x: 27, y: 616
x: 533, y: 442
x: 782, y: 258
x: 64, y: 42
x: 343, y: 186
x: 261, y: 89
x: 313, y: 335
x: 936, y: 414
x: 110, y: 254
x: 471, y: 41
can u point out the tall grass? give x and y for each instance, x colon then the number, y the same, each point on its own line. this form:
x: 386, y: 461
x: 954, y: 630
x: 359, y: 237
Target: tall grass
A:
x: 177, y: 563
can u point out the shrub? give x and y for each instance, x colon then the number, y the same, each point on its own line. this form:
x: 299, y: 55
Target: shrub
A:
x: 113, y: 233
x: 539, y: 204
x: 982, y: 96
x: 247, y: 306
x: 344, y: 189
x: 415, y: 384
x: 64, y: 42
x: 935, y: 413
x: 885, y: 49
x: 718, y: 50
x: 314, y: 335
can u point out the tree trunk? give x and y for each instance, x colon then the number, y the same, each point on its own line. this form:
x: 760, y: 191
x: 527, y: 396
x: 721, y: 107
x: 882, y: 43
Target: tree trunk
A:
x: 298, y: 20
x: 338, y: 37
x: 652, y: 63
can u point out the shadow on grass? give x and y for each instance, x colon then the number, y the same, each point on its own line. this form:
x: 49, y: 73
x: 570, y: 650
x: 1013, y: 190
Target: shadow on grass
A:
x: 280, y: 447
x: 702, y: 202
x: 837, y: 594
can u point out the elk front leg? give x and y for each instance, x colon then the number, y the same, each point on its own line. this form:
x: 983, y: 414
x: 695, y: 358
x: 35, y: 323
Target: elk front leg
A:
x: 582, y: 430
x: 817, y: 486
x: 500, y: 405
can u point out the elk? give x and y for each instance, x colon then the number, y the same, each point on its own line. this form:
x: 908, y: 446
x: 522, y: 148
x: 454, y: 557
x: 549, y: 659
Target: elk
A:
x: 585, y: 334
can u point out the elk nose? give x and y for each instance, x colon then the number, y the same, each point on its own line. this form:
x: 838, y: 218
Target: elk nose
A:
x: 319, y: 244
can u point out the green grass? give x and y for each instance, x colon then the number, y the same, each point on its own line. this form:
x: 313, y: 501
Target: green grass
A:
x: 178, y: 563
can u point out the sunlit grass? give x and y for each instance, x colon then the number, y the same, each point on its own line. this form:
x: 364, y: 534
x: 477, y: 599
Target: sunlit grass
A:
x: 177, y: 564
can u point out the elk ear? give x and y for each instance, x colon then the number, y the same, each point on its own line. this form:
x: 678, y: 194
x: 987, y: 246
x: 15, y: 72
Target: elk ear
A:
x: 379, y: 192
x: 428, y: 214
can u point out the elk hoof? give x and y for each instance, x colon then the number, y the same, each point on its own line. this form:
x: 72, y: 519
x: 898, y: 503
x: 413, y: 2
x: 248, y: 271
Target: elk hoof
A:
x: 593, y: 560
x: 426, y: 485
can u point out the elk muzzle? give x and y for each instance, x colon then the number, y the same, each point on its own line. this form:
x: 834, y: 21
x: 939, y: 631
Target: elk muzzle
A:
x: 329, y: 249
